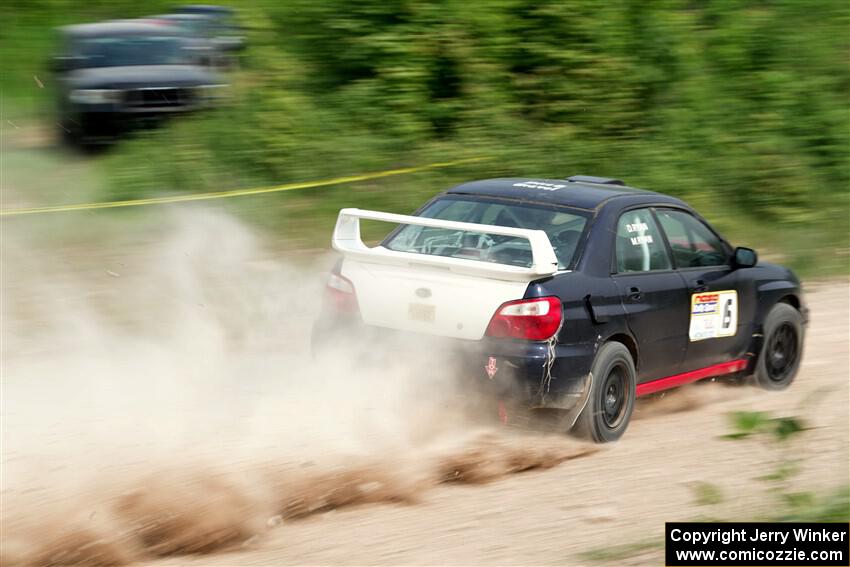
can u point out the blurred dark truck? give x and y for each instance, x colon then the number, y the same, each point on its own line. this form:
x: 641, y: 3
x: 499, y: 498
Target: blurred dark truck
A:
x: 117, y: 75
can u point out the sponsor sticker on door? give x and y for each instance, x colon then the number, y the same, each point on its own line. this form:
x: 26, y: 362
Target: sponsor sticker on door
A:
x: 713, y: 314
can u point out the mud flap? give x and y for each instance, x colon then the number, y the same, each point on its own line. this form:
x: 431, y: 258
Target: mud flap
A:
x: 531, y: 418
x: 571, y: 415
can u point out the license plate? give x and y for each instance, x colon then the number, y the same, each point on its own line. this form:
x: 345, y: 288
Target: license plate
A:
x: 421, y: 312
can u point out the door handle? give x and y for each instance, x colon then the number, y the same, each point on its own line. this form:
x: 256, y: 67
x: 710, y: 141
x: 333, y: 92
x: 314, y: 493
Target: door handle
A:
x: 634, y: 294
x: 699, y: 287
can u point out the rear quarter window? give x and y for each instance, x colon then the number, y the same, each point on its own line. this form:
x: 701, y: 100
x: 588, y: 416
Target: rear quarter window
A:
x: 640, y: 246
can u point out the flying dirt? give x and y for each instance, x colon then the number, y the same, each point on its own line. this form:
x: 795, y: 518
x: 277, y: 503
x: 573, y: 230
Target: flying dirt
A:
x: 160, y: 405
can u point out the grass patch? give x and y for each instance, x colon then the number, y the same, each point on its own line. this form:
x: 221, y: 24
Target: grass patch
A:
x: 808, y: 507
x: 622, y: 551
x: 706, y: 493
x: 798, y: 507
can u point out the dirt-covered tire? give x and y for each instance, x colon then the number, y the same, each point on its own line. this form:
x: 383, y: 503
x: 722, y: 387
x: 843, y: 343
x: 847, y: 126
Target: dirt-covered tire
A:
x: 782, y: 349
x: 611, y: 400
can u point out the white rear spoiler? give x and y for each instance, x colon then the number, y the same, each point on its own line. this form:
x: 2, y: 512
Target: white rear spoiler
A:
x: 346, y: 239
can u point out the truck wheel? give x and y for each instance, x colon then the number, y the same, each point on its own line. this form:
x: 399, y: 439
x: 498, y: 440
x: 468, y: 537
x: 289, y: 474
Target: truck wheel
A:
x: 782, y: 349
x: 611, y: 400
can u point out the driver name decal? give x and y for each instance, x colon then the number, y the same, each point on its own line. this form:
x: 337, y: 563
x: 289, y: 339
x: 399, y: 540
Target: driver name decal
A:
x: 713, y: 314
x: 539, y: 185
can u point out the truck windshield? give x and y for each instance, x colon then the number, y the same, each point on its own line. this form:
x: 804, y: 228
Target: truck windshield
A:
x: 563, y: 226
x: 132, y: 50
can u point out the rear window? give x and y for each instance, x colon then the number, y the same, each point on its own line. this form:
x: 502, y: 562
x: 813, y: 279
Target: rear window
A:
x: 563, y: 226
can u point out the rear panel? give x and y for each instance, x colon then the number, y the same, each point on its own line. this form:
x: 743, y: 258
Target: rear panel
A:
x: 425, y: 299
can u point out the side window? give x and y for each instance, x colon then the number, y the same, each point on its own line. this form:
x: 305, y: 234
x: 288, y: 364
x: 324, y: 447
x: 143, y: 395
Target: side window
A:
x: 639, y: 246
x: 693, y: 244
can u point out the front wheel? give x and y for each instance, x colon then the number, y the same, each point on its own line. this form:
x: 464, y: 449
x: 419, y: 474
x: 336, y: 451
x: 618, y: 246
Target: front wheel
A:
x: 611, y: 399
x: 782, y: 350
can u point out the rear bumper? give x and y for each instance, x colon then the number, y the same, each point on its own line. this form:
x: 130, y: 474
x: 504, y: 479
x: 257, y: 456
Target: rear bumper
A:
x: 531, y: 374
x: 523, y: 374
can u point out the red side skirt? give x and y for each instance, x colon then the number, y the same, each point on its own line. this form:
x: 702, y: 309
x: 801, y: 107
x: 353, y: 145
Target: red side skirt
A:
x: 680, y: 379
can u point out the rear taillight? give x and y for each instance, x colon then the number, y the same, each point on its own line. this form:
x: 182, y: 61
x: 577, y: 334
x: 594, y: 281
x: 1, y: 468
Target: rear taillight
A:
x: 531, y: 319
x: 341, y: 295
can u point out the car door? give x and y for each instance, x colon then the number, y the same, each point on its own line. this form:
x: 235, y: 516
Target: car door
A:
x: 715, y: 290
x: 652, y: 294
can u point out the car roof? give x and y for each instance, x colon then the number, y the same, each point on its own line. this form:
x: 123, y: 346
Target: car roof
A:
x: 570, y: 192
x: 120, y: 27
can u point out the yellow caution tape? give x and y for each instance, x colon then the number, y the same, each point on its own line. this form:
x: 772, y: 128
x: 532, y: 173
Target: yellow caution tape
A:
x: 235, y: 192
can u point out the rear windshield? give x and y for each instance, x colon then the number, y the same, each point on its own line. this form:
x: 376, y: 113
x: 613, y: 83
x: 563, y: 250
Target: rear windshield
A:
x: 563, y: 226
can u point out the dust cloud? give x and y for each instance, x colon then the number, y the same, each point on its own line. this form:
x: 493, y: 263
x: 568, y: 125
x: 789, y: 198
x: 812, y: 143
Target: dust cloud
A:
x: 690, y: 397
x: 159, y: 398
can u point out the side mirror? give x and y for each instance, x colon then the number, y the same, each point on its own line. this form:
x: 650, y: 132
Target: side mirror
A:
x: 744, y: 257
x: 63, y: 64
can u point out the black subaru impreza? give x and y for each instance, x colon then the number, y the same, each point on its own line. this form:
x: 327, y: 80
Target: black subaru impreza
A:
x: 575, y: 294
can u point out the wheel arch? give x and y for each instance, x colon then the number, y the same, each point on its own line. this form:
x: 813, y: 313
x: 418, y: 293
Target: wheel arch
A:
x: 791, y: 299
x: 629, y: 342
x: 773, y: 288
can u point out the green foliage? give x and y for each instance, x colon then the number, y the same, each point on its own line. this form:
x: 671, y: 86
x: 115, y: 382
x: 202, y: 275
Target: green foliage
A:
x: 784, y: 471
x: 706, y: 493
x: 808, y: 507
x: 793, y: 505
x: 748, y: 423
x: 738, y: 106
x: 621, y: 551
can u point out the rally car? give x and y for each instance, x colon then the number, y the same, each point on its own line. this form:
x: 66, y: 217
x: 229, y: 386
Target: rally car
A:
x: 575, y: 294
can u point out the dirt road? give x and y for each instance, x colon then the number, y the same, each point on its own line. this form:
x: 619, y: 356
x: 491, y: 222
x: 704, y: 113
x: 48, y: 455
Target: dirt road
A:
x: 620, y: 496
x: 178, y: 409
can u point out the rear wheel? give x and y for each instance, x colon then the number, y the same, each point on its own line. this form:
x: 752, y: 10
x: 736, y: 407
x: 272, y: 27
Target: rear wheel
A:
x: 611, y: 400
x: 782, y: 350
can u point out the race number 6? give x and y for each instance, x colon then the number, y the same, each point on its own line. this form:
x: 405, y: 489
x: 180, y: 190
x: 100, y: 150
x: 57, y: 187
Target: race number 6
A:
x: 727, y: 314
